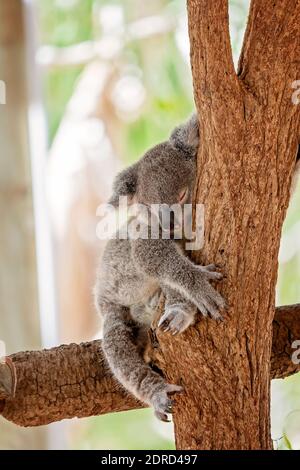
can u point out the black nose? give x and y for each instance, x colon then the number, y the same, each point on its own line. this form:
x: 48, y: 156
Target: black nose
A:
x: 168, y: 221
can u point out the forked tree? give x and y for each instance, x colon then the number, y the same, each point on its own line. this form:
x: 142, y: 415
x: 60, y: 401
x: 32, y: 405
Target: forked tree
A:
x: 250, y: 130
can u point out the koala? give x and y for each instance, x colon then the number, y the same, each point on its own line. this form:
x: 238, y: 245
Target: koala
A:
x: 134, y: 271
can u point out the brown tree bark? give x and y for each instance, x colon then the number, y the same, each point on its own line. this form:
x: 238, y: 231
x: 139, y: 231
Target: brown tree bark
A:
x: 250, y: 133
x: 74, y: 381
x: 63, y: 382
x: 286, y: 330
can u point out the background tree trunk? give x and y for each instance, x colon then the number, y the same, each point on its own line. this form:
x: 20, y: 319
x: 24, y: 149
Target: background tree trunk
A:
x: 249, y: 131
x: 19, y: 321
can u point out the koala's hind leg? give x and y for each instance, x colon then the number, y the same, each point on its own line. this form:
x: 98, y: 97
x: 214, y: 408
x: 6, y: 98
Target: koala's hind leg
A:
x: 120, y: 334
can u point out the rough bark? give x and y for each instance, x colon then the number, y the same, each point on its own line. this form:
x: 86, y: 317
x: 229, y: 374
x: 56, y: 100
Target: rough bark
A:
x: 286, y: 330
x: 74, y: 381
x: 63, y: 382
x: 250, y: 133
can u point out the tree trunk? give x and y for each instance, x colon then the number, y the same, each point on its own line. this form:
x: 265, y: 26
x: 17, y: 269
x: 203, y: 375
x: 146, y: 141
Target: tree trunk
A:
x: 249, y: 131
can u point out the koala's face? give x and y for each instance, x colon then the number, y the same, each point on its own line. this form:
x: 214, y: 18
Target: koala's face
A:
x: 160, y: 183
x: 165, y: 176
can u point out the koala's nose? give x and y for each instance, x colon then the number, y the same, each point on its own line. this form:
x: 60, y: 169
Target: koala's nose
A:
x: 169, y: 220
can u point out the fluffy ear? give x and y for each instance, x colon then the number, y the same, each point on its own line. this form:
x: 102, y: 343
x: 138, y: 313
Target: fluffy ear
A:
x: 124, y: 185
x: 186, y: 136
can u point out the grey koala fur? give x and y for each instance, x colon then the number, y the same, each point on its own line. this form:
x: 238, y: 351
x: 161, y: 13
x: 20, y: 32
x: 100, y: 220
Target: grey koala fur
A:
x: 133, y: 272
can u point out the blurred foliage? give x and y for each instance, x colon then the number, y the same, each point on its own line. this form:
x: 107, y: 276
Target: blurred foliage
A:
x: 62, y: 23
x: 131, y: 430
x: 165, y: 74
x: 286, y: 393
x: 289, y: 268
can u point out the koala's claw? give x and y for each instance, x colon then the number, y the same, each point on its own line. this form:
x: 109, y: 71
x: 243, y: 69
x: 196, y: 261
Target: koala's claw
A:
x: 176, y: 319
x: 162, y: 411
x: 211, y: 305
x: 210, y: 301
x: 162, y: 404
x: 210, y: 272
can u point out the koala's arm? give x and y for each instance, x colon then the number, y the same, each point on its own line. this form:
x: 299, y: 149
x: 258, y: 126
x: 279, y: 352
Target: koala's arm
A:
x: 163, y: 260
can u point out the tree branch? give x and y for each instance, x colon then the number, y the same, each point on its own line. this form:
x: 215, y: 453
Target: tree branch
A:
x: 211, y: 53
x: 215, y: 82
x: 74, y: 381
x: 286, y: 329
x: 63, y: 382
x: 267, y: 49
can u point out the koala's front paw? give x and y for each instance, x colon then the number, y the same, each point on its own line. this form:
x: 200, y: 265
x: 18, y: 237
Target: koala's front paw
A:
x: 176, y: 319
x: 209, y: 301
x: 161, y: 402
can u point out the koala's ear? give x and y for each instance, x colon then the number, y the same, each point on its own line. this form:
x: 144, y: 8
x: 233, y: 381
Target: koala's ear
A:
x: 186, y: 136
x: 124, y: 184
